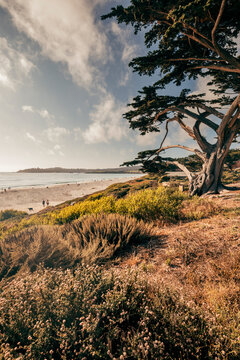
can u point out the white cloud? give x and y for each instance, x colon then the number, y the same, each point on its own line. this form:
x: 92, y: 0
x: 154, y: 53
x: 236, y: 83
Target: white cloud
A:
x: 57, y: 147
x: 5, y: 80
x: 54, y: 134
x: 32, y: 138
x: 107, y: 123
x: 43, y: 113
x: 202, y: 87
x: 129, y: 50
x: 123, y: 36
x: 14, y: 65
x: 147, y: 140
x: 66, y: 32
x: 123, y: 81
x: 27, y: 108
x: 58, y: 150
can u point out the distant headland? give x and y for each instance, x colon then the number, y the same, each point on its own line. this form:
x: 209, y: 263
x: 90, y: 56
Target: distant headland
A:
x: 121, y: 170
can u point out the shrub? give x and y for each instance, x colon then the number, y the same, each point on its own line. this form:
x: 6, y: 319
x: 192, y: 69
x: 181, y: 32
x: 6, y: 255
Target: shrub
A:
x: 93, y: 238
x: 100, y: 237
x: 148, y: 204
x: 90, y: 314
x: 151, y: 204
x: 8, y: 214
x: 230, y: 176
x: 105, y: 204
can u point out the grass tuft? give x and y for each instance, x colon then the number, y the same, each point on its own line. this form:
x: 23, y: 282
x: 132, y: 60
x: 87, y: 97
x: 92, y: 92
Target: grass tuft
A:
x: 92, y: 239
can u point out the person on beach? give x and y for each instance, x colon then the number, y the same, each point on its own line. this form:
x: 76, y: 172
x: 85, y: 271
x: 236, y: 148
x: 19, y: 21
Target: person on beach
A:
x: 47, y: 202
x: 43, y: 203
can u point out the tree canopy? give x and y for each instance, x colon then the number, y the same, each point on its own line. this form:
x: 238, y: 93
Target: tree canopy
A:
x: 187, y: 39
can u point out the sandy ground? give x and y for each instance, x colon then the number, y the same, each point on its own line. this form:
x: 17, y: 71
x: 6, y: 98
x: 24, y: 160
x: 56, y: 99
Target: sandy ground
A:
x: 23, y: 199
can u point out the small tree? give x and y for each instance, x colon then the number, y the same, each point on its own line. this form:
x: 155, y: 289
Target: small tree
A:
x: 190, y: 39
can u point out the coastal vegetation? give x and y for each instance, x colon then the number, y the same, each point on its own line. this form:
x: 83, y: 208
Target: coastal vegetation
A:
x: 166, y: 280
x: 91, y: 314
x: 8, y: 214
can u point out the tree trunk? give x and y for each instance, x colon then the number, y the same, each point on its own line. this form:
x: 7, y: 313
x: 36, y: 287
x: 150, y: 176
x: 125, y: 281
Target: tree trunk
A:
x: 208, y: 180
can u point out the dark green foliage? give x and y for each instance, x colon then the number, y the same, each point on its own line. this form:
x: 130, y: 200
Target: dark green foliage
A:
x: 8, y: 214
x: 167, y: 22
x: 232, y: 158
x: 230, y: 177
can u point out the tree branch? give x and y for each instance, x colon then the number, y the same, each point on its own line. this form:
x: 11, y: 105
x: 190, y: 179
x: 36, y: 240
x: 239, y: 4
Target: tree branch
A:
x: 195, y: 31
x: 163, y: 112
x: 202, y: 142
x: 217, y: 22
x: 195, y: 116
x: 208, y: 109
x: 196, y: 59
x: 166, y: 128
x: 196, y: 151
x: 234, y: 119
x: 206, y: 44
x: 221, y: 52
x: 199, y: 118
x: 216, y: 67
x: 181, y: 167
x: 228, y: 115
x: 186, y: 128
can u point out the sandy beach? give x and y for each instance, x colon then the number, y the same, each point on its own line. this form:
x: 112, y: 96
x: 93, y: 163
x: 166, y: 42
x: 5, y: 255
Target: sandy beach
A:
x: 26, y: 198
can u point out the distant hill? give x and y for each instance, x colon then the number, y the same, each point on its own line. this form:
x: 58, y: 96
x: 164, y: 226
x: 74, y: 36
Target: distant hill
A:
x: 121, y: 170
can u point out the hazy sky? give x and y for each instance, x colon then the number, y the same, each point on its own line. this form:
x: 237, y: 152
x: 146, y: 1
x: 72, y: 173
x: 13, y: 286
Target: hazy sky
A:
x: 64, y: 84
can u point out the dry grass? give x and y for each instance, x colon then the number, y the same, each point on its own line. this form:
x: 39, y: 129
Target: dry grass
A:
x: 201, y: 260
x: 199, y: 208
x: 93, y: 239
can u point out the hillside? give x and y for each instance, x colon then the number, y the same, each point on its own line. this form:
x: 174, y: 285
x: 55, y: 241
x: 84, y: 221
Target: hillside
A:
x: 137, y: 271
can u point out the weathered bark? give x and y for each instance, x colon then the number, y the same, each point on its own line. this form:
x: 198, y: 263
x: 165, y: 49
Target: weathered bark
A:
x: 208, y: 180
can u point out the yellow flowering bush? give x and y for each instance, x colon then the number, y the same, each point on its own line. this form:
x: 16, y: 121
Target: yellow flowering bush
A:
x: 149, y: 204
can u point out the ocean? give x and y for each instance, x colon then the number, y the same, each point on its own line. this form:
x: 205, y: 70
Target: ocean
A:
x: 23, y: 180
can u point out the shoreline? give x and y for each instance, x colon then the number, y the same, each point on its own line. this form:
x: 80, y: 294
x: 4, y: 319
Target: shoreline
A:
x: 26, y: 198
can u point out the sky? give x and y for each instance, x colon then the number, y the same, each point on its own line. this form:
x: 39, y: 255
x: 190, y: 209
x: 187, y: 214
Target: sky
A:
x: 64, y: 85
